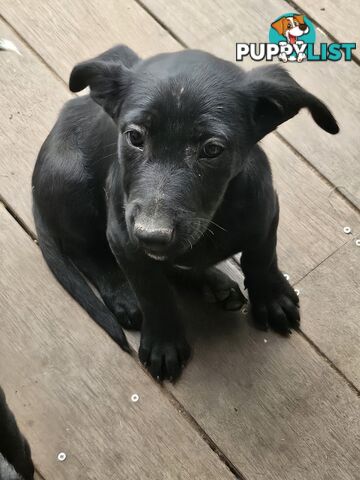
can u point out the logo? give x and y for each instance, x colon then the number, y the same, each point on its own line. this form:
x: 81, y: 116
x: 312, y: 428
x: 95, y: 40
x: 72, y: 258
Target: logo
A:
x: 292, y: 38
x: 293, y: 33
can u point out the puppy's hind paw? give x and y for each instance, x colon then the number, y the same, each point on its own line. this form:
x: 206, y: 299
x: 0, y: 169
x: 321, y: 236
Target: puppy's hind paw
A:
x: 219, y: 288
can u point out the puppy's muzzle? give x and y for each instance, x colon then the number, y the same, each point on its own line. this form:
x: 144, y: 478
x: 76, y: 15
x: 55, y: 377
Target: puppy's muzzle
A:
x: 155, y: 234
x: 153, y: 238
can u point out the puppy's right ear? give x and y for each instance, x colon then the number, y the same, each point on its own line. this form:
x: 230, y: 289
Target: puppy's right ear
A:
x: 108, y: 82
x: 280, y: 25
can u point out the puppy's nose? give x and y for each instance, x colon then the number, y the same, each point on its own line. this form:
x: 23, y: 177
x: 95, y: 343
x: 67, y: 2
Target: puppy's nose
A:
x: 155, y: 239
x: 303, y: 27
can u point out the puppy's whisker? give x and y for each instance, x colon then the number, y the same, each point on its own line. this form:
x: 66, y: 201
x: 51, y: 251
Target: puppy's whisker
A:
x: 217, y: 225
x: 201, y: 220
x: 110, y: 145
x: 110, y: 155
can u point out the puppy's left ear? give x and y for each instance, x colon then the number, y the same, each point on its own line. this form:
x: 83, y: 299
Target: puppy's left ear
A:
x: 275, y: 97
x: 300, y: 19
x: 108, y: 81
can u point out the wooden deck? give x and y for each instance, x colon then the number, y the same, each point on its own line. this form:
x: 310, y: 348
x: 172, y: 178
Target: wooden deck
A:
x: 250, y: 405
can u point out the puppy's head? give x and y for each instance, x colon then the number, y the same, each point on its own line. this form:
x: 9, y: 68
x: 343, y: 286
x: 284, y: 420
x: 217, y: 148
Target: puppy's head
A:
x: 186, y: 122
x: 291, y: 27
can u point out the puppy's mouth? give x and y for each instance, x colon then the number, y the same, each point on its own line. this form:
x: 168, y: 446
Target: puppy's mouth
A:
x: 156, y: 256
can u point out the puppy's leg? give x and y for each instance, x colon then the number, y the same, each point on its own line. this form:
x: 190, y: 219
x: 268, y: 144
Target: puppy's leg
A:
x: 216, y: 286
x: 163, y: 346
x: 105, y: 274
x: 273, y: 301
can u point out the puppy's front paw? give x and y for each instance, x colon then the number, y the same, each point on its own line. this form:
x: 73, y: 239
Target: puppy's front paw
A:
x: 164, y: 356
x: 275, y: 305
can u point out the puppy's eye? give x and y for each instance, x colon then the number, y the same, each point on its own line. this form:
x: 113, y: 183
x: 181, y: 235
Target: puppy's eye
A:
x: 211, y: 150
x: 135, y: 138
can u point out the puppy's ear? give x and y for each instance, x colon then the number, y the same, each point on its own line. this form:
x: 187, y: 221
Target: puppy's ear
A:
x: 299, y: 18
x: 108, y: 79
x: 280, y: 25
x: 275, y: 97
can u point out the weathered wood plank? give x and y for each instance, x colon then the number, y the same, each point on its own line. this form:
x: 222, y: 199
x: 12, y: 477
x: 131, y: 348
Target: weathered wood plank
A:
x: 341, y: 18
x: 70, y: 386
x: 330, y: 296
x: 273, y: 405
x: 64, y: 32
x: 30, y: 98
x: 216, y: 26
x: 312, y: 216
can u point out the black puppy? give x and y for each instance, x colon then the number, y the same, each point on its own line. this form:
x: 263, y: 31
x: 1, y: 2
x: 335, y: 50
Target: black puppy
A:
x: 15, y: 455
x: 157, y: 175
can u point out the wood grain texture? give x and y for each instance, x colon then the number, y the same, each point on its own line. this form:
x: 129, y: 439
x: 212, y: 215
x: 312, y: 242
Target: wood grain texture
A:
x: 70, y: 386
x: 341, y: 18
x: 312, y: 215
x: 64, y: 32
x: 30, y: 99
x: 273, y: 405
x: 331, y: 293
x: 216, y: 26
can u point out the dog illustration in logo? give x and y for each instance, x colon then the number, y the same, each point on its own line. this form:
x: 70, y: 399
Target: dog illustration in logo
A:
x: 291, y: 27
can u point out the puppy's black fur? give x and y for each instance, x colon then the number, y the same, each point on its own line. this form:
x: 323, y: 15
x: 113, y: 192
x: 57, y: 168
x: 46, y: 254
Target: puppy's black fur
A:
x: 157, y: 176
x: 15, y: 455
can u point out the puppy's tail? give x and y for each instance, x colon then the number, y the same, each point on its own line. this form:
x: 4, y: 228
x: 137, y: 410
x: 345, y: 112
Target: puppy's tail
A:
x: 75, y: 284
